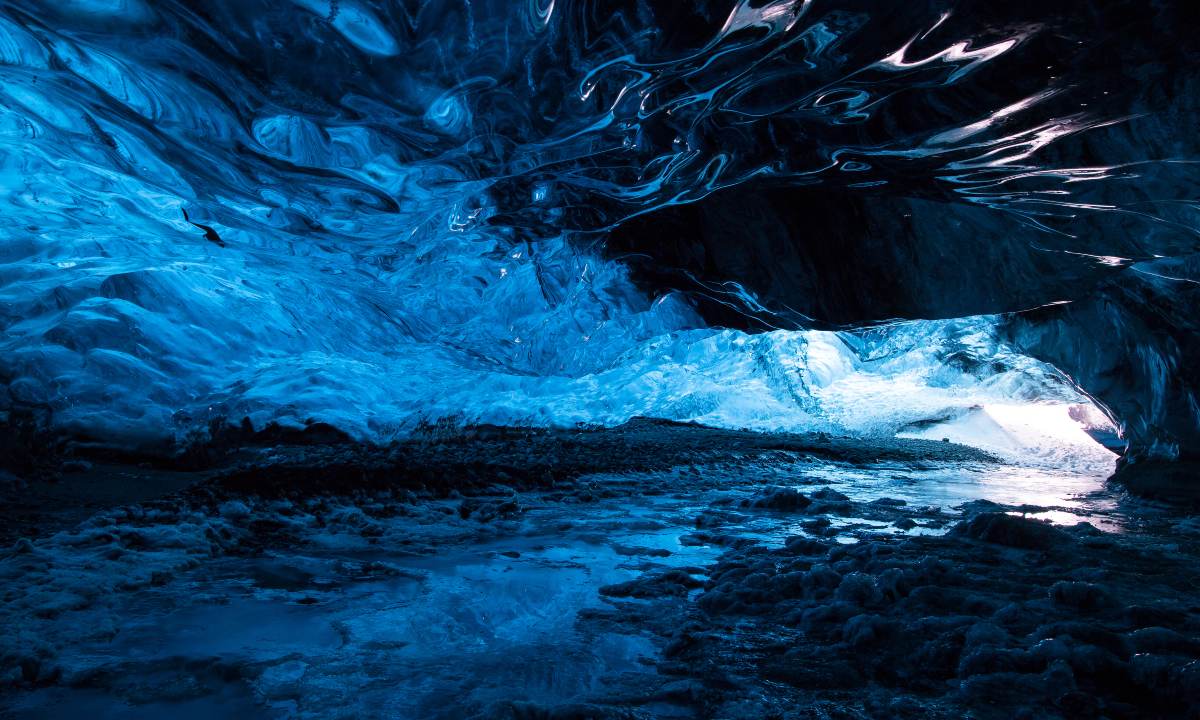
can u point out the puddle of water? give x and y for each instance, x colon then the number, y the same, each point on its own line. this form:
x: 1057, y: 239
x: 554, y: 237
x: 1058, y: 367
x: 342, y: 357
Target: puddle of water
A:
x: 1069, y: 498
x: 230, y: 700
x: 468, y: 626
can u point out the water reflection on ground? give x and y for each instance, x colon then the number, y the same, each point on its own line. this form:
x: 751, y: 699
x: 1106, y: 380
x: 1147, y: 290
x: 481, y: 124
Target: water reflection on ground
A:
x: 441, y: 608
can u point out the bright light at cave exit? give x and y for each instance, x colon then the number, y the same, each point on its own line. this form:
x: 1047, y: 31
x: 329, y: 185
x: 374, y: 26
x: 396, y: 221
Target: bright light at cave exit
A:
x: 1064, y: 425
x: 1048, y: 434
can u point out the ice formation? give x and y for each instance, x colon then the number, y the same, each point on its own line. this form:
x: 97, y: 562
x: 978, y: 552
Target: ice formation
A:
x: 378, y: 214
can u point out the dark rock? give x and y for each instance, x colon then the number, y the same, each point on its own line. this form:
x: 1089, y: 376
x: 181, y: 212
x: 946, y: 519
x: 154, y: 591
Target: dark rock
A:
x: 858, y: 588
x: 864, y: 630
x: 674, y: 582
x: 1050, y: 650
x: 829, y: 494
x: 801, y: 545
x: 951, y: 600
x: 1007, y: 689
x: 1078, y: 705
x: 990, y: 659
x: 1012, y: 531
x: 1087, y: 633
x: 1098, y: 664
x: 814, y: 673
x: 1083, y: 596
x: 1140, y: 616
x: 786, y: 499
x: 1162, y: 640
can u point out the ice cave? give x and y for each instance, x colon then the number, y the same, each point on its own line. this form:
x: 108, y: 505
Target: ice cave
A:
x: 599, y: 359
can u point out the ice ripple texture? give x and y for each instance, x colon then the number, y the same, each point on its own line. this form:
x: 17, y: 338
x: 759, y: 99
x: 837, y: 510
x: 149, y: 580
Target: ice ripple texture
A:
x: 376, y: 214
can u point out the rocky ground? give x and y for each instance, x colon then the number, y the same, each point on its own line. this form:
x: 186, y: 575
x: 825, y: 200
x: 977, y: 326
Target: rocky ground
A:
x: 653, y: 570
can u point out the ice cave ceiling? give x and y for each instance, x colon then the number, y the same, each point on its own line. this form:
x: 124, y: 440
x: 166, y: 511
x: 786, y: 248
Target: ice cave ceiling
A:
x: 788, y: 214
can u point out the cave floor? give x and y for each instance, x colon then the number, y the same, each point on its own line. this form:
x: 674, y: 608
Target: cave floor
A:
x: 646, y: 571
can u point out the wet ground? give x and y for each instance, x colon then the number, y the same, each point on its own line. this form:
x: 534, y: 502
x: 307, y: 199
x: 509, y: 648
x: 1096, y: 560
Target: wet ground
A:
x: 649, y: 571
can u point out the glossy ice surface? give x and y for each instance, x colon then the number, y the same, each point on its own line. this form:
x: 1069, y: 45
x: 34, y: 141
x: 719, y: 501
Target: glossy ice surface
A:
x: 374, y: 214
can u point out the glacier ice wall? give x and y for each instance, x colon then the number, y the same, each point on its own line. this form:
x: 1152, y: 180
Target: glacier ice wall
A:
x: 375, y: 213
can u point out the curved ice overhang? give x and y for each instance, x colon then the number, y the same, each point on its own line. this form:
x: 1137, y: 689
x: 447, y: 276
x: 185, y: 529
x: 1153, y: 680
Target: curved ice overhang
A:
x: 370, y: 216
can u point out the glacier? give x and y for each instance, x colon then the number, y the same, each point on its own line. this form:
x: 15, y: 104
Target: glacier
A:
x: 778, y: 216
